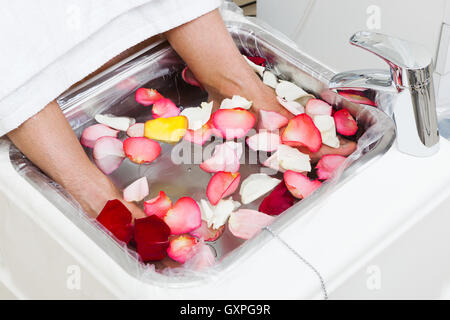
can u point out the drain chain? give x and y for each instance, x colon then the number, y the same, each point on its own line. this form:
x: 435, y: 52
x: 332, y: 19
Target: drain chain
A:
x: 306, y: 262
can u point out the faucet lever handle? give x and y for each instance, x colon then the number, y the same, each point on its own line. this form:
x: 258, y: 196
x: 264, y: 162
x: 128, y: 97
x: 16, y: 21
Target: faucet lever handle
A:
x: 411, y: 64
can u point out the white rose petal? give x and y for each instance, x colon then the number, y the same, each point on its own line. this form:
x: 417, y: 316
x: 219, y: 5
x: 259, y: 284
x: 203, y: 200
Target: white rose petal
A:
x: 216, y: 216
x: 198, y: 116
x: 255, y: 186
x: 270, y: 79
x: 289, y: 91
x: 288, y: 158
x: 327, y: 129
x: 235, y: 102
x: 118, y: 123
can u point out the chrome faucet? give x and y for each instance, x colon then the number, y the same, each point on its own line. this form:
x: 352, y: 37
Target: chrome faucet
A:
x: 409, y: 81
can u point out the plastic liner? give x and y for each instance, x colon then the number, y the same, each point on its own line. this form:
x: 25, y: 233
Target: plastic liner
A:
x: 159, y: 67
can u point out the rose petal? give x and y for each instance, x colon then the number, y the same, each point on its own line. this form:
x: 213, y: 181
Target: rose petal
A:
x: 236, y: 102
x: 317, y: 107
x: 165, y: 108
x: 108, y: 154
x: 189, y: 78
x: 301, y: 131
x: 117, y: 219
x: 255, y: 186
x: 201, y: 256
x: 136, y: 130
x: 158, y: 206
x: 327, y: 129
x: 270, y: 79
x: 147, y: 97
x: 292, y: 106
x: 92, y: 133
x: 328, y: 164
x: 216, y: 216
x: 264, y: 141
x: 184, y: 216
x: 180, y: 247
x: 141, y: 150
x: 233, y: 123
x: 289, y: 91
x: 119, y: 123
x: 246, y: 223
x: 168, y: 130
x: 345, y: 123
x: 198, y: 116
x: 260, y: 61
x: 152, y: 238
x: 300, y: 185
x: 288, y: 158
x: 271, y: 120
x: 199, y: 136
x: 257, y: 68
x: 225, y: 158
x: 136, y: 191
x: 279, y: 200
x: 206, y: 233
x: 357, y: 97
x: 221, y: 185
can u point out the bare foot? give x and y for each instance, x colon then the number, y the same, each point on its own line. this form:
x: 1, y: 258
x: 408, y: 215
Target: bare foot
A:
x: 93, y: 195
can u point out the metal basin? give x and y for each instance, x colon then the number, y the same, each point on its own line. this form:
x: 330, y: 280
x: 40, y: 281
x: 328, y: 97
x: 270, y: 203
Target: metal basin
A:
x: 159, y: 67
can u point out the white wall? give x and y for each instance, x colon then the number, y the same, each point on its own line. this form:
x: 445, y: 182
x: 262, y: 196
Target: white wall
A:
x: 327, y: 29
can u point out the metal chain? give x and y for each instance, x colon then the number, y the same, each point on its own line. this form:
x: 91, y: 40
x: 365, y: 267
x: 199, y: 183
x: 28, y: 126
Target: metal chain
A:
x: 306, y: 262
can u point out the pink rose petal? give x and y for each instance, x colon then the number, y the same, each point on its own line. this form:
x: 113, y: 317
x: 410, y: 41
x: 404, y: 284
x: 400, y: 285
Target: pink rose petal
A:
x: 108, y: 154
x: 136, y: 191
x: 246, y: 223
x: 92, y: 133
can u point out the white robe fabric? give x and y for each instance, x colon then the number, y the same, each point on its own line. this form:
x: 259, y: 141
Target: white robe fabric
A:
x: 48, y: 45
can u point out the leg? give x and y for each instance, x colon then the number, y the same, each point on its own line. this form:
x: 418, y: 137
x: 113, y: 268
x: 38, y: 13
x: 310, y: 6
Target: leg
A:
x: 207, y: 47
x: 50, y: 143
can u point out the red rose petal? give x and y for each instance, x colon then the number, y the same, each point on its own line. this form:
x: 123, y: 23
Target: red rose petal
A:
x: 301, y: 131
x: 279, y: 200
x: 345, y: 123
x: 185, y: 216
x: 158, y: 206
x: 300, y: 185
x: 260, y: 61
x: 147, y: 97
x: 221, y: 185
x: 141, y: 149
x: 117, y: 219
x: 233, y: 123
x: 152, y: 238
x: 328, y: 164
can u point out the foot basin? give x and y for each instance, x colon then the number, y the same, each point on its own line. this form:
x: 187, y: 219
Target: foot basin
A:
x: 111, y: 92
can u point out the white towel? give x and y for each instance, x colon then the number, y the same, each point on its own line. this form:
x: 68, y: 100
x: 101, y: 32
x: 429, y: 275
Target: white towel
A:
x: 48, y: 45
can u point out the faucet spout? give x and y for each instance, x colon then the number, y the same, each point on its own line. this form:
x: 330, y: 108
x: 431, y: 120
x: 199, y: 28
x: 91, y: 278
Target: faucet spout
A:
x: 409, y: 81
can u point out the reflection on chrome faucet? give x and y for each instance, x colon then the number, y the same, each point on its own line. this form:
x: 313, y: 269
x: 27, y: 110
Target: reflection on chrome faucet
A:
x: 409, y: 81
